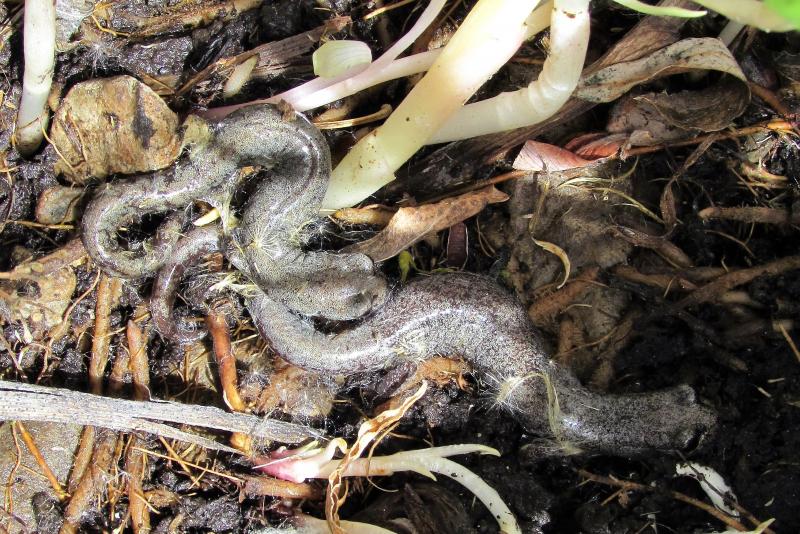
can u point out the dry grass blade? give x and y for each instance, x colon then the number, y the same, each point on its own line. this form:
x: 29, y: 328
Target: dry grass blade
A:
x: 39, y: 403
x: 37, y: 454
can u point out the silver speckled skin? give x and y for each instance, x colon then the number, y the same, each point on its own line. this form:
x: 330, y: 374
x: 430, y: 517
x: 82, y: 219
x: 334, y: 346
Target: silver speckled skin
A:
x: 470, y: 316
x: 189, y: 251
x: 267, y: 242
x: 452, y: 314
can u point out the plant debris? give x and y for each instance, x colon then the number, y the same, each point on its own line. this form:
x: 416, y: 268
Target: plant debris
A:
x: 649, y: 227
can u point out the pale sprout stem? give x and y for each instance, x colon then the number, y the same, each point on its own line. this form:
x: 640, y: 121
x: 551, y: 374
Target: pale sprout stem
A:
x: 308, y: 463
x: 241, y: 73
x: 313, y: 525
x: 483, y: 491
x: 485, y: 41
x: 39, y: 44
x: 429, y: 461
x: 303, y: 100
x: 730, y: 31
x: 321, y: 91
x: 569, y: 39
x: 538, y: 21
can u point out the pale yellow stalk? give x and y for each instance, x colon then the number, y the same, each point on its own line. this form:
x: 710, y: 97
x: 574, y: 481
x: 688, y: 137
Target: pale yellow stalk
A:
x: 484, y: 42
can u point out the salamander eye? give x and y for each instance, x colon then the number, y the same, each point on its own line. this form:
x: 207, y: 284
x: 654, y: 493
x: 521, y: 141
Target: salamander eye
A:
x: 689, y: 439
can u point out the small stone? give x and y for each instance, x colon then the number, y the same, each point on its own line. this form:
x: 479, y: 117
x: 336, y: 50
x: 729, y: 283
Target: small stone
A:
x: 113, y: 125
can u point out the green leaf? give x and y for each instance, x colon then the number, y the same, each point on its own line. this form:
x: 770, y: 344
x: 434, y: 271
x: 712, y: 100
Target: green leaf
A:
x: 647, y: 9
x: 788, y: 9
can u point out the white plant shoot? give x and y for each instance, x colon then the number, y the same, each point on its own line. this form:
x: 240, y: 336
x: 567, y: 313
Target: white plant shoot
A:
x: 569, y: 39
x: 39, y: 44
x: 484, y: 42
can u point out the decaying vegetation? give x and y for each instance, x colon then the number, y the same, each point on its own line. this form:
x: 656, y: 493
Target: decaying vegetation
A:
x: 633, y: 178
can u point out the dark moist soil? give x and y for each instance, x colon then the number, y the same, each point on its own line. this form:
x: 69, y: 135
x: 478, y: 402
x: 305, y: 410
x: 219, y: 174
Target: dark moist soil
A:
x: 745, y: 369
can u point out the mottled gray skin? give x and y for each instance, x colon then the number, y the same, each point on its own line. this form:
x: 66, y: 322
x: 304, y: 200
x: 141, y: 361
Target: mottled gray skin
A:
x: 188, y: 252
x: 470, y: 316
x: 454, y: 314
x: 268, y: 240
x: 125, y: 202
x: 267, y: 244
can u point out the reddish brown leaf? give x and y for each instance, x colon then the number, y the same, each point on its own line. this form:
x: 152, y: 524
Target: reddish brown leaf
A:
x: 536, y: 156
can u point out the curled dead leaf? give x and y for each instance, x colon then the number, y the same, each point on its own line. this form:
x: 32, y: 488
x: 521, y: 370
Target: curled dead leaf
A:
x: 410, y: 225
x: 612, y: 82
x: 37, y: 293
x: 655, y: 118
x: 559, y: 252
x: 543, y: 157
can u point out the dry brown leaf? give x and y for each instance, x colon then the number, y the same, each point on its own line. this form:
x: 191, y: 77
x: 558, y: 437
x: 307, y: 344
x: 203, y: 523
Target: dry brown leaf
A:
x: 542, y: 157
x: 656, y: 118
x: 113, y: 125
x: 410, y: 225
x: 709, y: 110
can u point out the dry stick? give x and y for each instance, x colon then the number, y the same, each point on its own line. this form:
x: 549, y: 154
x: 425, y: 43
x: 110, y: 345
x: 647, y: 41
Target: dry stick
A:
x: 259, y: 486
x: 221, y: 336
x: 665, y: 248
x: 665, y: 282
x: 37, y: 455
x: 135, y: 459
x: 270, y: 54
x: 771, y: 100
x: 627, y: 485
x: 724, y: 283
x: 751, y: 215
x: 38, y: 403
x: 93, y: 480
x: 226, y: 363
x: 548, y: 305
x: 108, y: 290
x: 779, y: 126
x: 790, y: 341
